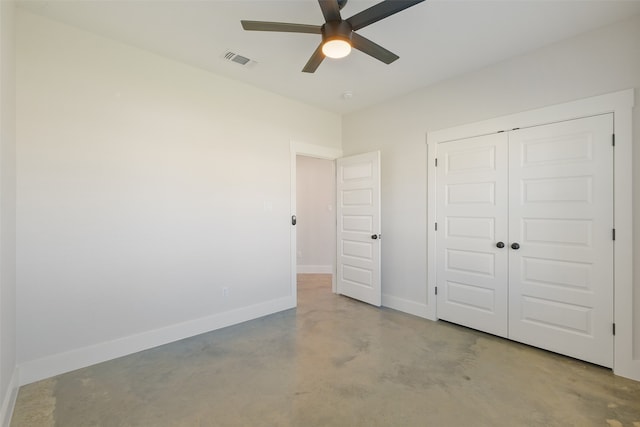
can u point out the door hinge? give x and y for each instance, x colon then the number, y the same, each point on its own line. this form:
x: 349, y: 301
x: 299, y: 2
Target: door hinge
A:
x: 436, y: 227
x: 436, y: 162
x: 613, y: 139
x: 436, y: 290
x: 613, y: 234
x: 614, y: 329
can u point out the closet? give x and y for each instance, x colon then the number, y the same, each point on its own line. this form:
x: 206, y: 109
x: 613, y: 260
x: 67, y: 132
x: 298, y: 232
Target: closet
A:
x: 524, y: 235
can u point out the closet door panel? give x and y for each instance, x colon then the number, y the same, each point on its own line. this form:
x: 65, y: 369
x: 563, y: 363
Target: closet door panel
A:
x: 561, y: 216
x: 472, y: 218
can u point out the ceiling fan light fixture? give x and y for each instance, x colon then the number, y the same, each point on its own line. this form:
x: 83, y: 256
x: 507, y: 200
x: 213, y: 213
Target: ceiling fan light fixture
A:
x: 339, y: 35
x: 336, y: 48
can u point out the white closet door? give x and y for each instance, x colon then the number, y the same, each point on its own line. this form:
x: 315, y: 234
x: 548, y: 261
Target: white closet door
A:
x: 561, y: 216
x: 472, y: 219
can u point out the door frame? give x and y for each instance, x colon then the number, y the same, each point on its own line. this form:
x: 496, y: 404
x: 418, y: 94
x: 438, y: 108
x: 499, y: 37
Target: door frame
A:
x: 620, y: 104
x: 319, y: 152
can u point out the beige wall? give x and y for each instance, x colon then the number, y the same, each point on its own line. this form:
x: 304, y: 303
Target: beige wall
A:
x: 145, y: 187
x: 143, y: 182
x: 598, y: 62
x: 315, y: 209
x: 8, y: 379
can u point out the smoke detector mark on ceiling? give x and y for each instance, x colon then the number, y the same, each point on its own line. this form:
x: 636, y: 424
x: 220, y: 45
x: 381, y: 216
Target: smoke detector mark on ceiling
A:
x: 238, y: 59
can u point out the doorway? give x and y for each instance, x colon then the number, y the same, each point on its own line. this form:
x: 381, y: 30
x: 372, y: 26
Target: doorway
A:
x: 315, y: 225
x: 315, y: 216
x: 301, y: 149
x: 356, y: 271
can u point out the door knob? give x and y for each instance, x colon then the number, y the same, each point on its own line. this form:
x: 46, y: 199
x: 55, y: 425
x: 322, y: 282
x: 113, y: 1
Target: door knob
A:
x: 500, y: 245
x: 515, y: 246
x: 374, y: 236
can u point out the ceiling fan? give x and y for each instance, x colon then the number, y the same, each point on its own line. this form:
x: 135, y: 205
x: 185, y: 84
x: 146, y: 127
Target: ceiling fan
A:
x: 339, y: 35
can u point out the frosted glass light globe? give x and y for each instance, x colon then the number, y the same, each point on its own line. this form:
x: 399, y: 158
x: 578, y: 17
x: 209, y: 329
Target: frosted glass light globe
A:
x: 336, y: 48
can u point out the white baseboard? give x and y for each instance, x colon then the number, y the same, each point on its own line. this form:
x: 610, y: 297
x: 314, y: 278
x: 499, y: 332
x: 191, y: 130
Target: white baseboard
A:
x: 407, y: 306
x: 57, y: 364
x: 314, y: 269
x: 9, y: 401
x: 629, y: 368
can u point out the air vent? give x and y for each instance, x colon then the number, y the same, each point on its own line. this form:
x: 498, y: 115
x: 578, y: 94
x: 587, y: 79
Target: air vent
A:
x: 237, y: 58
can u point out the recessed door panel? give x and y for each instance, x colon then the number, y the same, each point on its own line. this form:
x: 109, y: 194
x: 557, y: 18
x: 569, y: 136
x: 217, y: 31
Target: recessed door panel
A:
x: 470, y: 262
x: 355, y: 171
x: 471, y: 296
x: 363, y: 250
x: 560, y: 149
x: 480, y: 159
x: 471, y: 228
x: 561, y: 317
x: 471, y: 193
x: 357, y: 223
x: 357, y: 276
x: 553, y: 272
x: 359, y: 197
x: 575, y: 189
x: 566, y: 232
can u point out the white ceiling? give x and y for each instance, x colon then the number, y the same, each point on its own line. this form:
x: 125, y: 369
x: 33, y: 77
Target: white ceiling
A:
x: 436, y: 40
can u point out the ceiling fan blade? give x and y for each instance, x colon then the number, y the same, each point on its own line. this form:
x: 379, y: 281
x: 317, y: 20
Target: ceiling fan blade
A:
x: 379, y: 11
x: 365, y: 45
x: 330, y: 10
x: 283, y: 27
x: 314, y: 61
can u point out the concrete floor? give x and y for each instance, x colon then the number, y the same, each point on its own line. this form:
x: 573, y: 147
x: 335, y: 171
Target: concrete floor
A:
x: 335, y: 362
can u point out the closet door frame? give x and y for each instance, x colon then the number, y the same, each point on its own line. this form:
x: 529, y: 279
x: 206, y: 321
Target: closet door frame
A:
x: 620, y: 104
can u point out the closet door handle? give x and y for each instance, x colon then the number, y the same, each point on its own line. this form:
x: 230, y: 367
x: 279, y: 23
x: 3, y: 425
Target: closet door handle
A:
x: 515, y: 246
x: 500, y: 245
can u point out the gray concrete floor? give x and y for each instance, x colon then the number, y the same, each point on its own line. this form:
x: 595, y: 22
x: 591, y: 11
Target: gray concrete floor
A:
x: 334, y: 362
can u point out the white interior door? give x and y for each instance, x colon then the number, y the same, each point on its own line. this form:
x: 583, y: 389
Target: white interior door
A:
x: 472, y: 233
x: 561, y: 210
x: 358, y: 228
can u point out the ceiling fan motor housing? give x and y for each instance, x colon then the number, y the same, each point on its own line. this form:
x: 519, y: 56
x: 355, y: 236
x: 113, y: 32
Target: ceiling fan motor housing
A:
x: 336, y: 30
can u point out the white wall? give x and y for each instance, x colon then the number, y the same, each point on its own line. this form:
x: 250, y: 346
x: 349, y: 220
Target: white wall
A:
x: 8, y: 378
x: 595, y: 63
x: 316, y: 226
x: 144, y: 187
